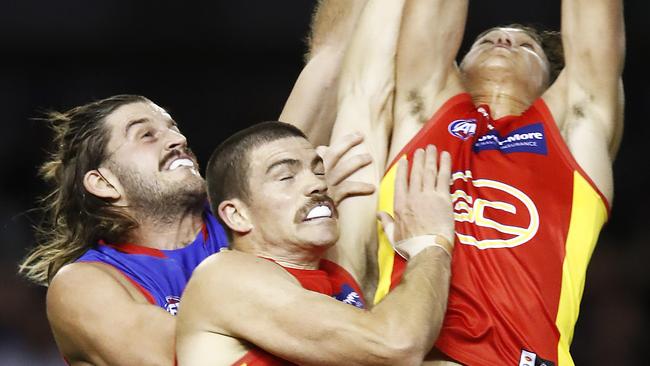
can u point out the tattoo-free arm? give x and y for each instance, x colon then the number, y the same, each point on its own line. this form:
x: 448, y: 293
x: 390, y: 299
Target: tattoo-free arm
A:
x: 311, y: 106
x: 99, y: 318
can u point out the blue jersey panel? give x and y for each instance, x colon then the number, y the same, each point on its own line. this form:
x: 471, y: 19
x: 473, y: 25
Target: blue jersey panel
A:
x: 162, y: 273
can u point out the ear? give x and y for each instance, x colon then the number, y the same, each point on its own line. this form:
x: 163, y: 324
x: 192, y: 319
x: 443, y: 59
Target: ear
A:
x: 98, y: 184
x: 235, y: 215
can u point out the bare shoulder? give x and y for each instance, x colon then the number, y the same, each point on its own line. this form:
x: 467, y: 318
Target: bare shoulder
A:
x: 80, y: 285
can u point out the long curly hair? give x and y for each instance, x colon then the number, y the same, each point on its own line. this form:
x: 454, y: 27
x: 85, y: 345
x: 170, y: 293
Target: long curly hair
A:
x: 72, y: 219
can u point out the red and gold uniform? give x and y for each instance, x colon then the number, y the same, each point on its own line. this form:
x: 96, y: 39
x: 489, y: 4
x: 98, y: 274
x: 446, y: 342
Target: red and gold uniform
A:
x: 527, y: 221
x: 330, y: 279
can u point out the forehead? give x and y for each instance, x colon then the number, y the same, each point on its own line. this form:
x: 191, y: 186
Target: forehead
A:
x: 288, y: 148
x: 120, y: 117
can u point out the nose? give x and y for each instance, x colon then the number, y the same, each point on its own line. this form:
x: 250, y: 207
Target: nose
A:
x: 315, y: 184
x: 503, y: 39
x: 175, y: 140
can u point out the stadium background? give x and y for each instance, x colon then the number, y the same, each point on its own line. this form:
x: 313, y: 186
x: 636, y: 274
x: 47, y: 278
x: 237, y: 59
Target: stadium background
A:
x: 218, y: 66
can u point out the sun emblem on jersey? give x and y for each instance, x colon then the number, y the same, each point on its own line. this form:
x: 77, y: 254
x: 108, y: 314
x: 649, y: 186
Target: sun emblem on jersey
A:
x: 462, y: 128
x: 510, y: 218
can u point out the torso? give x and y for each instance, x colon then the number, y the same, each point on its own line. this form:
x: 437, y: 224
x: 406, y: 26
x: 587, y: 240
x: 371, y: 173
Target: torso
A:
x: 527, y: 220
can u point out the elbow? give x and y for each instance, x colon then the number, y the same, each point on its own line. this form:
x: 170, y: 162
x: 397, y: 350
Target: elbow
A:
x: 400, y: 351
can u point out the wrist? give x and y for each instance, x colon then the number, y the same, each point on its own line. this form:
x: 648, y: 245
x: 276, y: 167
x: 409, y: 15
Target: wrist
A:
x: 409, y: 248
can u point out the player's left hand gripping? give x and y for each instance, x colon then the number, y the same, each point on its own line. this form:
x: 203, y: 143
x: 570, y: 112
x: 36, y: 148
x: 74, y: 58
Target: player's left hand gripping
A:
x: 338, y: 170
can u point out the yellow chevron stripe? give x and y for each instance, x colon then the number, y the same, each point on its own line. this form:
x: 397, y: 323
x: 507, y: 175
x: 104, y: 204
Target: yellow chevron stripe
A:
x: 588, y: 215
x: 385, y: 252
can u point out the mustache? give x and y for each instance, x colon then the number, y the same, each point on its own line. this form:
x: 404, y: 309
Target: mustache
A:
x: 176, y: 153
x: 314, y: 200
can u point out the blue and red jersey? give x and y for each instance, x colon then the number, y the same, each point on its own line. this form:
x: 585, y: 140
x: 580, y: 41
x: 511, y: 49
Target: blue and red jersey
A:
x: 161, y: 275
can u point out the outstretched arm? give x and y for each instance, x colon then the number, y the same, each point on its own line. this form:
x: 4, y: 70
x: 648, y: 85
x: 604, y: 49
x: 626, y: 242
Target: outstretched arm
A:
x: 587, y: 98
x: 365, y: 105
x: 267, y: 307
x: 311, y: 106
x: 430, y: 36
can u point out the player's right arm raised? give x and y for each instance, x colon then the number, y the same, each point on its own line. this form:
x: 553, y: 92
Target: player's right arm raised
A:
x: 426, y: 74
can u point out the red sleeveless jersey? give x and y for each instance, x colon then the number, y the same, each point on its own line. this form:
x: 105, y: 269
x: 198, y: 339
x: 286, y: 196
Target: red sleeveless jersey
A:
x: 527, y: 220
x: 330, y: 279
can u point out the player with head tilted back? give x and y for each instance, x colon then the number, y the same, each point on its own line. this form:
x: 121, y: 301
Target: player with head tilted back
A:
x: 533, y: 143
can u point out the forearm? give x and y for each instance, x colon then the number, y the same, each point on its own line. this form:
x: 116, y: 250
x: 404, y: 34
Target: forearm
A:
x: 311, y: 106
x: 430, y: 37
x: 413, y: 312
x: 332, y: 24
x: 593, y: 36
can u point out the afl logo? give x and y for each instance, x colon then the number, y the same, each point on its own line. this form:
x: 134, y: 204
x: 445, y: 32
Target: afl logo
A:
x: 462, y: 128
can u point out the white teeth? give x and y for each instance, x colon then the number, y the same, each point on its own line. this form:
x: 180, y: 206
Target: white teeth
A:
x: 181, y: 162
x: 319, y: 211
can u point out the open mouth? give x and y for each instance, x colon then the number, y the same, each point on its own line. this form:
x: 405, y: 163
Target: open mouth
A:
x: 319, y: 212
x: 319, y: 208
x: 180, y: 162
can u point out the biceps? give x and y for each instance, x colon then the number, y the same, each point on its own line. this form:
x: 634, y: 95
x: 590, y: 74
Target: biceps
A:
x: 312, y: 329
x: 143, y: 335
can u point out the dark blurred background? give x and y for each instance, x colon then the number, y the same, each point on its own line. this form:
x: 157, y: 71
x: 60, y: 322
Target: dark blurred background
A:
x: 222, y: 65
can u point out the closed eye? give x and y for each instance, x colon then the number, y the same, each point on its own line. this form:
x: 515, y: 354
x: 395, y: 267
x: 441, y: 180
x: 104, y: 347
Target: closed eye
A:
x: 486, y: 41
x: 527, y: 45
x: 286, y: 178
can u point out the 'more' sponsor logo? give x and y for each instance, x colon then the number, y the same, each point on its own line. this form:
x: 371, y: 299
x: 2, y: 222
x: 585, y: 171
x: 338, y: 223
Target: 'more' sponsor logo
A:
x: 530, y: 138
x: 462, y: 128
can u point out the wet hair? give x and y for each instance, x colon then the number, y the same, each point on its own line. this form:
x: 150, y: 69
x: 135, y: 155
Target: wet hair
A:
x: 550, y: 41
x: 228, y: 168
x: 73, y: 220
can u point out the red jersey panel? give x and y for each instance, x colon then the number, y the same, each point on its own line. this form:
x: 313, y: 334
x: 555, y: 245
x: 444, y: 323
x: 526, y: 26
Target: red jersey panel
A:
x: 527, y: 220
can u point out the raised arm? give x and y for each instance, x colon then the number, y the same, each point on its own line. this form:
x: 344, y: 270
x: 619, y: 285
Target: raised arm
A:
x: 98, y: 318
x: 430, y: 36
x: 265, y: 306
x: 365, y: 105
x: 311, y: 106
x: 587, y: 98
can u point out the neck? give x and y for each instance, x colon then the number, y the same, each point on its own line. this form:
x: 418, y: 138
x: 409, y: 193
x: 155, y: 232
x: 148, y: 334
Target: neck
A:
x: 504, y: 96
x: 172, y: 231
x: 294, y: 257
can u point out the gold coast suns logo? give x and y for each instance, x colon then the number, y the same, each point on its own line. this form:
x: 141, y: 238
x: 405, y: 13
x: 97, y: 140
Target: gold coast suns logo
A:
x: 501, y: 216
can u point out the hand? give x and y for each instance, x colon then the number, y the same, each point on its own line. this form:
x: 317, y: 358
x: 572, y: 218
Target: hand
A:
x: 336, y: 171
x: 422, y: 204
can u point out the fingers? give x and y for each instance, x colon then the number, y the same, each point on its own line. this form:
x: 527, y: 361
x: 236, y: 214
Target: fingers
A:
x: 388, y: 224
x: 430, y: 168
x: 347, y: 189
x: 417, y: 170
x: 337, y: 173
x: 444, y: 173
x: 333, y: 154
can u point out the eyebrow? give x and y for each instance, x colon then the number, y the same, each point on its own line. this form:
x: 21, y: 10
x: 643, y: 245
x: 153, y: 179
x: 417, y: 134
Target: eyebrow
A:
x: 135, y: 122
x: 290, y: 162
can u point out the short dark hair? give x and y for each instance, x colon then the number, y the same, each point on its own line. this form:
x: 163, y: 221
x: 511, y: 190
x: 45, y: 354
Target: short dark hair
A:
x: 227, y: 171
x: 550, y: 41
